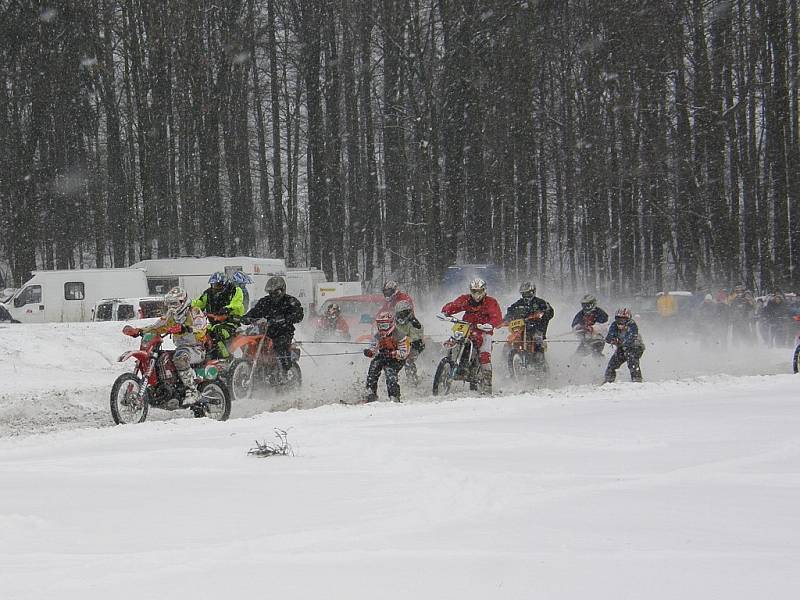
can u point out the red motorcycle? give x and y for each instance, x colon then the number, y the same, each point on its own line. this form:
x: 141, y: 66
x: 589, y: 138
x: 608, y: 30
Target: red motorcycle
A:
x: 155, y: 383
x: 258, y: 366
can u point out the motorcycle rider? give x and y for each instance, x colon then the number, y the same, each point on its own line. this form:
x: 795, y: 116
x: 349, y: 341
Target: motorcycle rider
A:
x: 536, y: 312
x: 188, y: 326
x: 583, y: 323
x: 484, y: 313
x: 332, y: 322
x: 408, y: 325
x: 393, y: 295
x: 624, y: 334
x: 281, y: 312
x: 224, y: 300
x: 388, y: 351
x: 241, y: 280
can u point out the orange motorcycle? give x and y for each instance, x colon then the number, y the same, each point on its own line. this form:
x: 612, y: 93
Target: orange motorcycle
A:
x: 526, y: 348
x: 257, y: 366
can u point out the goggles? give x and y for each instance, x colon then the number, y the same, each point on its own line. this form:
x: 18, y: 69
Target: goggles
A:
x: 385, y: 326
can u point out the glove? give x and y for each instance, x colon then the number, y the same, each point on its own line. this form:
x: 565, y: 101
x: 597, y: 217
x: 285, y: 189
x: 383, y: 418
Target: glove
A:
x: 485, y: 326
x: 131, y: 331
x: 369, y: 352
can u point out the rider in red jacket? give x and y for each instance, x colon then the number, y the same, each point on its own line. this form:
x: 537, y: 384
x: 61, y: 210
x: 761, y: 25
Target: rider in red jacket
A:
x: 393, y: 295
x: 484, y: 312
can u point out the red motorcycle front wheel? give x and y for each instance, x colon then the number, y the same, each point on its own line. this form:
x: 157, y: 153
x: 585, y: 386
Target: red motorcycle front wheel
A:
x: 125, y: 404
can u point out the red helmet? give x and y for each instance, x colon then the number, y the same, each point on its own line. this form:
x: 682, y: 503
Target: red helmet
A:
x: 623, y: 314
x: 385, y: 323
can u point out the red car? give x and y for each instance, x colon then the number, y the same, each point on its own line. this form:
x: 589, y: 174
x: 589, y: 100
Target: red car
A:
x: 359, y: 312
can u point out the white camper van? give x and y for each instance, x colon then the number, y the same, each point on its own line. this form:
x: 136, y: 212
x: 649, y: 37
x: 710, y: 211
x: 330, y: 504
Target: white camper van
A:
x: 192, y: 273
x: 70, y: 295
x: 302, y: 284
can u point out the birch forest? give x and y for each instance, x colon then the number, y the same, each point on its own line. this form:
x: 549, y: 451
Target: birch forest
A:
x: 617, y: 145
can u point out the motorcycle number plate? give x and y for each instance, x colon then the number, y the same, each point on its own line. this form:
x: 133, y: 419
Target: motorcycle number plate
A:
x: 517, y: 324
x: 461, y: 328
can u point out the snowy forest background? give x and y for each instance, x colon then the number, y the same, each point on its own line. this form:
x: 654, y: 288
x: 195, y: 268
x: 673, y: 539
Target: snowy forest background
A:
x: 623, y: 145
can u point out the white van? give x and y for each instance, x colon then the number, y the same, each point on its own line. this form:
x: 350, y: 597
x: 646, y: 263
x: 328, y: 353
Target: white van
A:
x: 192, y: 273
x: 70, y: 295
x: 302, y: 284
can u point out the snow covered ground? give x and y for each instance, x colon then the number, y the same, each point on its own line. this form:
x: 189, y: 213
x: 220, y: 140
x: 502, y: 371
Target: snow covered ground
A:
x: 686, y: 486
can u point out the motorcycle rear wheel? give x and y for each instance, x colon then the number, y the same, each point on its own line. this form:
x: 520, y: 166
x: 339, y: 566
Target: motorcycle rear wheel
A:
x: 215, y: 399
x: 125, y: 407
x: 238, y: 379
x: 442, y: 380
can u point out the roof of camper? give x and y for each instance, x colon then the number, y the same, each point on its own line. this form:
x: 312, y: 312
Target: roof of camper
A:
x: 74, y: 271
x: 208, y: 264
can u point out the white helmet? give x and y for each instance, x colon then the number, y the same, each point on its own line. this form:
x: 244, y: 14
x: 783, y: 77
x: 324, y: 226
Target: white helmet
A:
x: 177, y: 301
x: 477, y: 289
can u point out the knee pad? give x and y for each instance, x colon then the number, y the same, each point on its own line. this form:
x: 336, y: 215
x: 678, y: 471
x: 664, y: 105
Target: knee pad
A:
x: 181, y: 362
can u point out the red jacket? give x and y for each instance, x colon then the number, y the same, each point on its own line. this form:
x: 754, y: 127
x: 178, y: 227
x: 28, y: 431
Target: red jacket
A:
x: 388, y: 305
x: 488, y: 311
x: 339, y: 325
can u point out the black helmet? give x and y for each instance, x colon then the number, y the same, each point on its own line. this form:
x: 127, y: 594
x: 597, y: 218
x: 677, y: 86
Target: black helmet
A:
x: 527, y: 289
x: 276, y: 286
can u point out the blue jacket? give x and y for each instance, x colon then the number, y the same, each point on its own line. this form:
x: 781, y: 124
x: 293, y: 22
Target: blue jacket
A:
x: 627, y: 338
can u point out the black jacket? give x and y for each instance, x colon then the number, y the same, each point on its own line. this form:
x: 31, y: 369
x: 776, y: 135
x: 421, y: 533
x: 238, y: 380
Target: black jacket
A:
x: 523, y: 308
x: 282, y: 313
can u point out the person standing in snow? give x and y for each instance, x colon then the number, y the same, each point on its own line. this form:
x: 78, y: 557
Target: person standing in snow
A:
x: 388, y: 350
x: 624, y: 336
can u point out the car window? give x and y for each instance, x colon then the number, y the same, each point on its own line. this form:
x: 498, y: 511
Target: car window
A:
x: 74, y: 290
x: 151, y: 308
x: 125, y: 312
x: 30, y: 295
x: 103, y: 312
x: 161, y: 285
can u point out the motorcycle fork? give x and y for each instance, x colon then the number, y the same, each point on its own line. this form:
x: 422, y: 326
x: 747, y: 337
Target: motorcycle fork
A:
x: 145, y: 381
x: 253, y: 367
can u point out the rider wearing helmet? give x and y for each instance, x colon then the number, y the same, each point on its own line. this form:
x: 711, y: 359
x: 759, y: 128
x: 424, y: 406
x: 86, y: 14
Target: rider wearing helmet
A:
x: 624, y: 334
x: 484, y: 313
x: 536, y: 311
x: 388, y: 350
x: 392, y: 295
x: 281, y: 312
x: 241, y: 280
x: 332, y: 322
x: 408, y: 324
x: 223, y: 302
x: 584, y: 324
x: 188, y: 326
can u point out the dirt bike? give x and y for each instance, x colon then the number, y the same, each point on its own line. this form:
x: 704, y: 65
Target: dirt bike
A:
x: 257, y: 350
x: 525, y: 349
x: 591, y: 339
x: 155, y: 383
x: 460, y: 362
